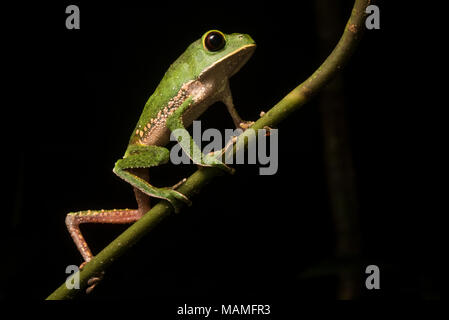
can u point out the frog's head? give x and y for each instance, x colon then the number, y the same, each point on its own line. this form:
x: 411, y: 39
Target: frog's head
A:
x: 219, y: 53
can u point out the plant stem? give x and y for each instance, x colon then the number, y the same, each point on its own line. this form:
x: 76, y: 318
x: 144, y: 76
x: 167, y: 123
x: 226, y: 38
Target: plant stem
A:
x: 290, y: 103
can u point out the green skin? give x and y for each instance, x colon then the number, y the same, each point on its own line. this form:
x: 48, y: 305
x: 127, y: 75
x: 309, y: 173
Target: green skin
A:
x: 196, y: 80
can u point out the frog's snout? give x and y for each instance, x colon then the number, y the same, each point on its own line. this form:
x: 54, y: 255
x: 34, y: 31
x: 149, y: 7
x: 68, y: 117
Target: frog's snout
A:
x: 247, y: 39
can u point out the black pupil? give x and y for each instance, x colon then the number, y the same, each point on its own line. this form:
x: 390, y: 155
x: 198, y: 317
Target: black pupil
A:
x: 214, y: 41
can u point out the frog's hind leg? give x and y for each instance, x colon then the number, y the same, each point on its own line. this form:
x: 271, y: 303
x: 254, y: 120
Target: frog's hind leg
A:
x: 138, y: 157
x: 115, y: 216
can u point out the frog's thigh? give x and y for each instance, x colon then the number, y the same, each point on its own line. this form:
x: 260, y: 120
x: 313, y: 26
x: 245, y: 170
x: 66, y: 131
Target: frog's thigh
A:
x: 143, y: 157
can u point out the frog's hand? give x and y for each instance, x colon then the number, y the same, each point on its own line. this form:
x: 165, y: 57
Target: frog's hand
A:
x: 174, y: 123
x: 145, y: 157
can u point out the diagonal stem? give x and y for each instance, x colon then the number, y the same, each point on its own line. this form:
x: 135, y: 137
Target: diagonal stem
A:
x: 192, y: 186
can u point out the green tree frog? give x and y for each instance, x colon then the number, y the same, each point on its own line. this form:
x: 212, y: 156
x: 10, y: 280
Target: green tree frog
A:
x: 195, y: 81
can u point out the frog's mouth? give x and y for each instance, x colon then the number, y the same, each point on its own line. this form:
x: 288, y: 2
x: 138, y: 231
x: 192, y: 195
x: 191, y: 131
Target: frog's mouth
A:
x: 234, y: 61
x: 239, y: 58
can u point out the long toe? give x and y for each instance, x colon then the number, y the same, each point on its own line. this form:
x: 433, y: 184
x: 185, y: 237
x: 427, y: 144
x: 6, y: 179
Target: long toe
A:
x: 92, y: 283
x: 91, y: 288
x: 177, y: 199
x: 246, y: 124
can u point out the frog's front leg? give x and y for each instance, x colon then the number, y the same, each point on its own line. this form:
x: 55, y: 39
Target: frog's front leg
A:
x: 226, y: 98
x: 175, y: 123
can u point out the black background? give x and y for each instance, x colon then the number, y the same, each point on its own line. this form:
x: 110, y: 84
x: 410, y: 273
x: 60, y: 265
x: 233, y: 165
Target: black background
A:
x: 77, y: 94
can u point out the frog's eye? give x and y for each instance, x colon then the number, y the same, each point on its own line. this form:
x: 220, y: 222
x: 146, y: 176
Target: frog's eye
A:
x: 214, y: 41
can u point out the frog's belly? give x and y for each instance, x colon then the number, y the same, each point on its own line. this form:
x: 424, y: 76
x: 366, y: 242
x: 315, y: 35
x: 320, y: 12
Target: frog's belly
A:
x: 195, y: 111
x: 161, y: 136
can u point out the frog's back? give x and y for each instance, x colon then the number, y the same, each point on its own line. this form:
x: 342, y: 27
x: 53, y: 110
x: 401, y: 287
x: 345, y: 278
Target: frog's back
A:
x: 179, y: 73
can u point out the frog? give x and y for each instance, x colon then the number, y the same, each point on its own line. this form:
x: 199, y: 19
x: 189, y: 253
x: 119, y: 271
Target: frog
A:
x: 195, y: 81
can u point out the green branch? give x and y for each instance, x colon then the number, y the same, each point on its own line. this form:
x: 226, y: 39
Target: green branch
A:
x: 290, y: 103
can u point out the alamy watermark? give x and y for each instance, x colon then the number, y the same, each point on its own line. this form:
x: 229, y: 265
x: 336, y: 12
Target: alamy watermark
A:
x: 373, y: 19
x: 73, y: 280
x: 262, y: 147
x: 73, y: 19
x: 373, y: 280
